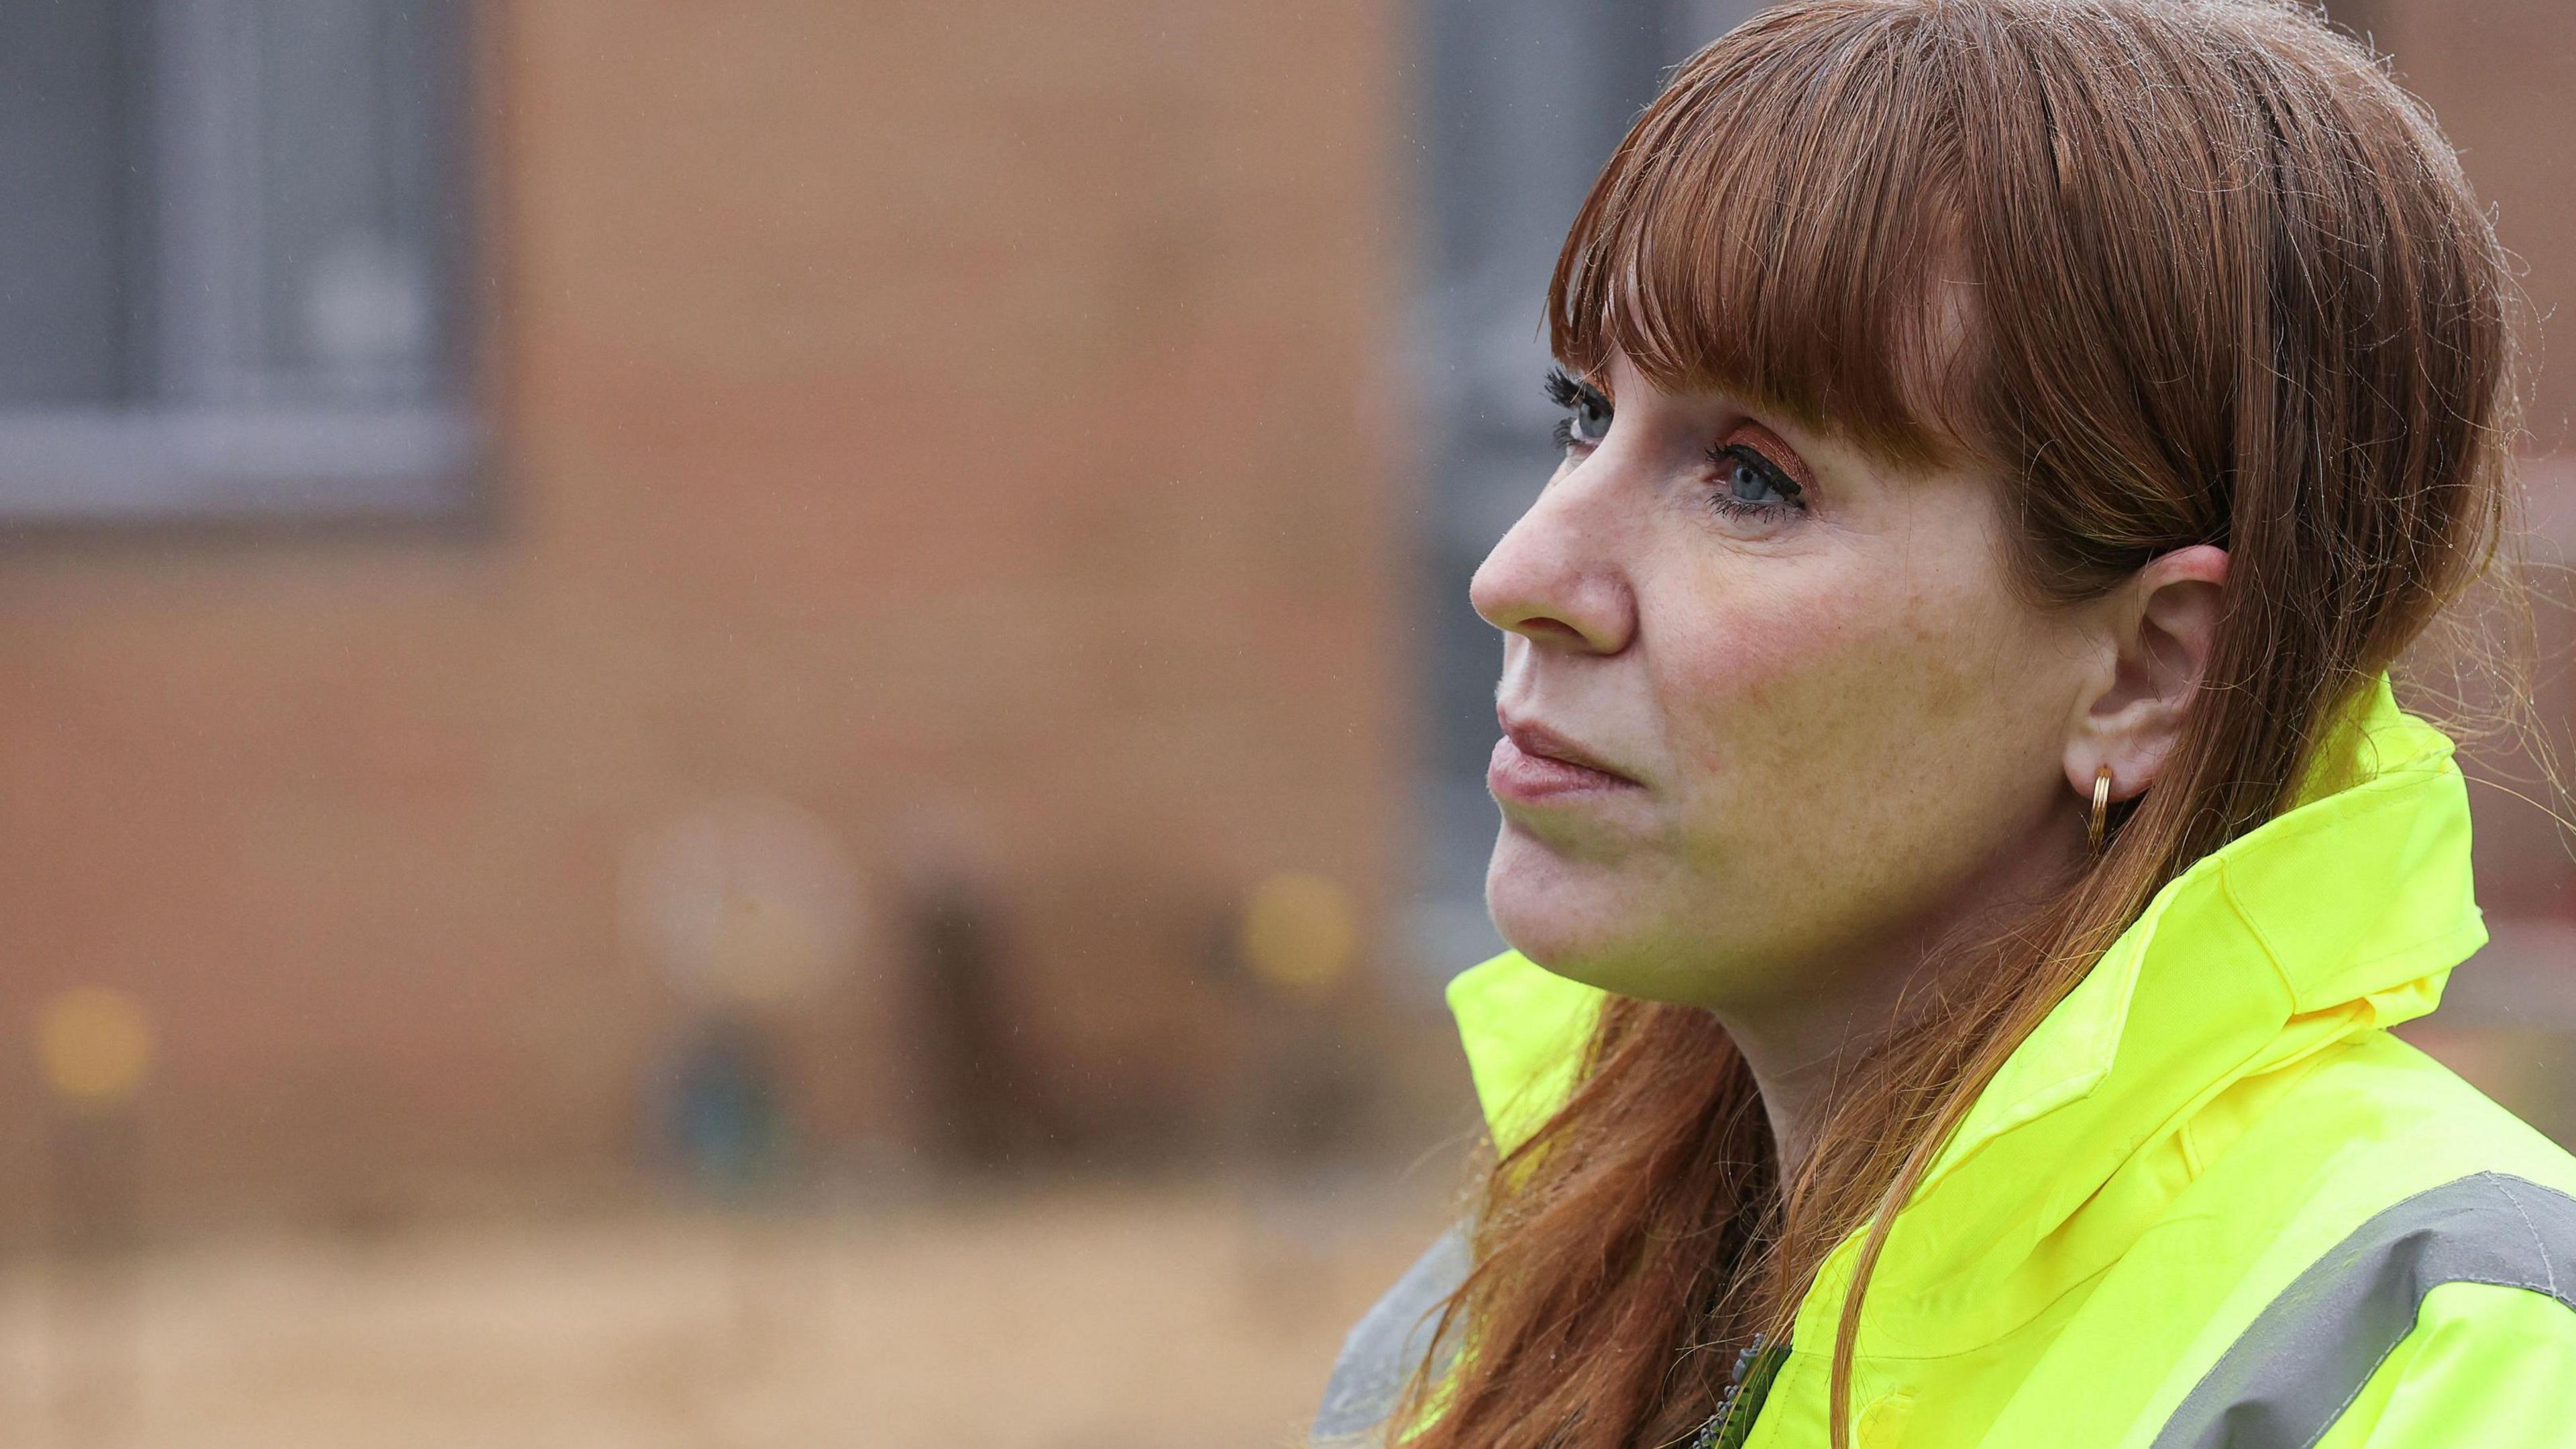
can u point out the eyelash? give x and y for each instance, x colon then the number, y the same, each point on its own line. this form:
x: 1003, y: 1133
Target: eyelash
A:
x: 1562, y: 390
x: 1570, y: 395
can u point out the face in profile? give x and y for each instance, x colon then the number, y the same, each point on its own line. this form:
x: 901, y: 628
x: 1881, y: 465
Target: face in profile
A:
x: 1772, y: 706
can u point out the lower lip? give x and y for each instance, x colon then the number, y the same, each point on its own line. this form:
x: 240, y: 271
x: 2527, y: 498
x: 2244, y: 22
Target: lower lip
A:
x: 1524, y: 778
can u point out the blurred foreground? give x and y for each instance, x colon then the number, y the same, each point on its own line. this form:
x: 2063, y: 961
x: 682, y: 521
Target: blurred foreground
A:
x: 1130, y: 1316
x: 1199, y: 1309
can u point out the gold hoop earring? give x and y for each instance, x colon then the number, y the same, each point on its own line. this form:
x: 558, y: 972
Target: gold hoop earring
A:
x: 2101, y: 808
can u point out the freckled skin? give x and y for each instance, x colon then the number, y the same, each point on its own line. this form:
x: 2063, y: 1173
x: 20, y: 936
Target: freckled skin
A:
x: 1852, y: 730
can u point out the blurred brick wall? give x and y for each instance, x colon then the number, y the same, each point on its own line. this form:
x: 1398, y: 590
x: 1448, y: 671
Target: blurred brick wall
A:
x: 2498, y: 74
x: 966, y: 421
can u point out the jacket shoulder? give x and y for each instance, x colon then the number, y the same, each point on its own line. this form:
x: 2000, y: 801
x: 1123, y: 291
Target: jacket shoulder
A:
x: 2421, y: 1279
x: 2366, y: 1122
x: 2485, y: 1364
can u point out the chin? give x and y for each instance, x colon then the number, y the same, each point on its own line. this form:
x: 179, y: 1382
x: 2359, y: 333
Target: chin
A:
x: 1597, y: 924
x: 1572, y: 917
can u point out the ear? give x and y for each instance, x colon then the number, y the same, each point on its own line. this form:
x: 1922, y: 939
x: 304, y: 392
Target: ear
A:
x: 2156, y: 633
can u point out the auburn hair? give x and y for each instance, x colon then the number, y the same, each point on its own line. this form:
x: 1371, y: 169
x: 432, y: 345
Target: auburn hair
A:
x: 2173, y: 272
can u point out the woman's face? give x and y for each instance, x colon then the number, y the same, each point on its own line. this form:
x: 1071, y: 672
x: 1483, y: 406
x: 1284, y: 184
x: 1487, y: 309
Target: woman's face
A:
x: 1828, y: 725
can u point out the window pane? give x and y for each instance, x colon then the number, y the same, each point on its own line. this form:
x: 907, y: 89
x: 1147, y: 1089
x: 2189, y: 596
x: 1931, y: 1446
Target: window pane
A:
x: 230, y: 239
x: 70, y: 188
x: 347, y: 225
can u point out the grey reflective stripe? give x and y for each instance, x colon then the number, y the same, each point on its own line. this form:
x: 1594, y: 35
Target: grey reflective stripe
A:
x: 2300, y: 1364
x: 1390, y: 1341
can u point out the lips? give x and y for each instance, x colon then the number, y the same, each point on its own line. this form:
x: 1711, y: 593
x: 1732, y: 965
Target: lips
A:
x: 1533, y: 763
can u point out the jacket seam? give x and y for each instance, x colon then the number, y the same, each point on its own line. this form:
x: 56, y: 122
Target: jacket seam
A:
x: 2539, y: 1244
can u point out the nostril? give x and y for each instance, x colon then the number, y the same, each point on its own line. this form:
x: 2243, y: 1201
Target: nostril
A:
x: 1545, y: 627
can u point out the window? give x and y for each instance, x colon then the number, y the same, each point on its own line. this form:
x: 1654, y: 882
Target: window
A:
x: 235, y: 234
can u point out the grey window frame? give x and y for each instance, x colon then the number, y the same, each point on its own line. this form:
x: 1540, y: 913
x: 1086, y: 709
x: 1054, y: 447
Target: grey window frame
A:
x: 203, y: 445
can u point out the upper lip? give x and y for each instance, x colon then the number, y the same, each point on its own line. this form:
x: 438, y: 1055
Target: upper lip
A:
x: 1534, y: 738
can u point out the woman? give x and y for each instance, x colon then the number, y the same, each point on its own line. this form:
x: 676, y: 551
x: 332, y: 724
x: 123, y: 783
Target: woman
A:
x: 1961, y: 848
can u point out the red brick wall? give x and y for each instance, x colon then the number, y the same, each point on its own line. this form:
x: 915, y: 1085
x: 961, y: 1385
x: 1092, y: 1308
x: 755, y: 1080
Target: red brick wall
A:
x: 2496, y: 74
x: 962, y: 418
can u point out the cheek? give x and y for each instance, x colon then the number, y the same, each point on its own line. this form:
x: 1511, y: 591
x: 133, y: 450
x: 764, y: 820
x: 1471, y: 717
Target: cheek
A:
x: 1854, y: 726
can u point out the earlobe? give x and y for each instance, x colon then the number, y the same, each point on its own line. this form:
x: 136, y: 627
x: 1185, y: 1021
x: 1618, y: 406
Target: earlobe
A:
x: 2161, y: 629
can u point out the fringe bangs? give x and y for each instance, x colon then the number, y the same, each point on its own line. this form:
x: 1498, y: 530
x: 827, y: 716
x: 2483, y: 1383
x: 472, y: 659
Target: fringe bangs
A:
x: 1782, y: 226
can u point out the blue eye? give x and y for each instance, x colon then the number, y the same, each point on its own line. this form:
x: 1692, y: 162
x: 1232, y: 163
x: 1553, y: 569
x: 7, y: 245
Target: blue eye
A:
x: 1590, y: 409
x: 1749, y: 483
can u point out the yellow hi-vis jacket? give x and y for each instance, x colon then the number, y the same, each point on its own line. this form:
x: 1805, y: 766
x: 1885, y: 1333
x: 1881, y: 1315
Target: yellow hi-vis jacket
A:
x: 2210, y: 1203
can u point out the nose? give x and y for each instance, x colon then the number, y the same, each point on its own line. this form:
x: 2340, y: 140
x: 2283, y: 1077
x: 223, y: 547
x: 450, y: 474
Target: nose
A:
x: 1556, y: 578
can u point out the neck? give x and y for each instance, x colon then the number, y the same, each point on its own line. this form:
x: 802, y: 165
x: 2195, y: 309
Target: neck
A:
x: 1800, y: 1045
x: 1797, y: 1058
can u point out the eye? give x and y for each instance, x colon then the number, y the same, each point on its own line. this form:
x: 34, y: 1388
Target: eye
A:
x: 1749, y: 478
x: 1590, y: 409
x: 1753, y: 478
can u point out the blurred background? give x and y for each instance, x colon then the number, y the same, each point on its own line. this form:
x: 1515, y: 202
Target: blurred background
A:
x: 754, y: 723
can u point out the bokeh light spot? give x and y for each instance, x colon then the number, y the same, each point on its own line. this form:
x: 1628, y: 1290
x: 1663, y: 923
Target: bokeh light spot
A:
x: 95, y: 1045
x: 1298, y: 933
